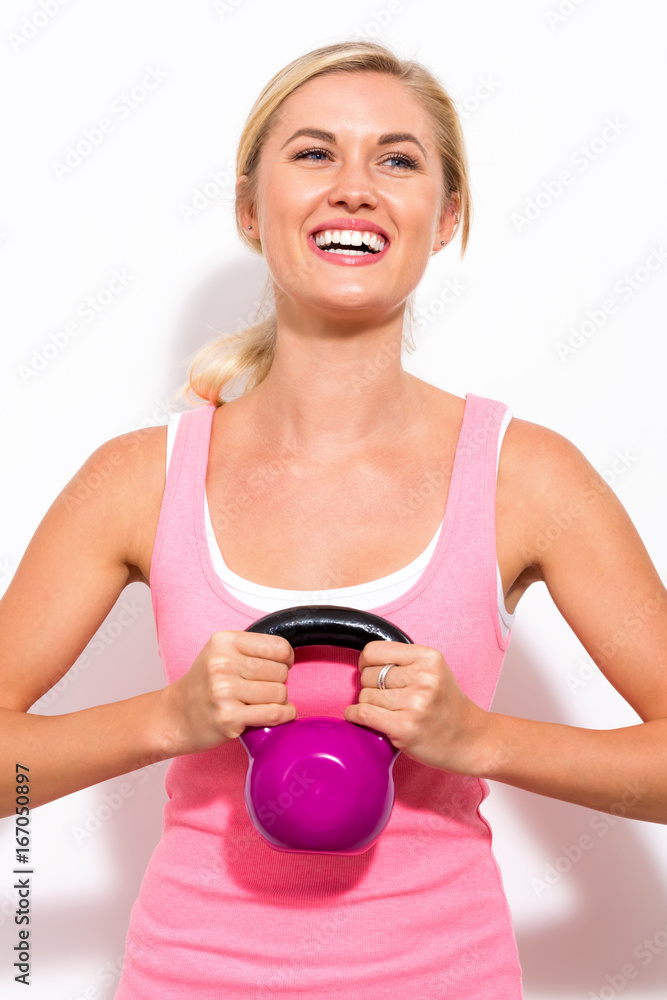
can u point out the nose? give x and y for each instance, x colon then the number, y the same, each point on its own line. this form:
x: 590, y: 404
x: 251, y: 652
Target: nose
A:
x: 353, y: 186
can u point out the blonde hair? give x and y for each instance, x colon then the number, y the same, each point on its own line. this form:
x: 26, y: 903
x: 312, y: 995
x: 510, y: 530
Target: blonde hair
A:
x: 249, y: 354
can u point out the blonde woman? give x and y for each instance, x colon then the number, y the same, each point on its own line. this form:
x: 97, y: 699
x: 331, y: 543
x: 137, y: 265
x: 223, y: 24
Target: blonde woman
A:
x: 299, y: 491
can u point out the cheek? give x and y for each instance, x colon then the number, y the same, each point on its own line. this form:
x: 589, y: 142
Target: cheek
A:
x: 286, y: 194
x: 418, y: 238
x: 282, y: 225
x: 289, y: 263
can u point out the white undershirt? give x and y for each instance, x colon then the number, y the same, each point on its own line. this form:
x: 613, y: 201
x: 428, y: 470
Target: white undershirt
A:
x: 365, y: 595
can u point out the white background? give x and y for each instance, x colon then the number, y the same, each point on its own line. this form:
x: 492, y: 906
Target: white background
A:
x: 535, y: 89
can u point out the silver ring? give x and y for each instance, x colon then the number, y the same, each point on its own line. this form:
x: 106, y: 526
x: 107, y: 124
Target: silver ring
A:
x: 383, y: 673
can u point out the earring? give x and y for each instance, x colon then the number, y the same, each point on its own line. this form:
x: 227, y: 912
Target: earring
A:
x: 249, y: 227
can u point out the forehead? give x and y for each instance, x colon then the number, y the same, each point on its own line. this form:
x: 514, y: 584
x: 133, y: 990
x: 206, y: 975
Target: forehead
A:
x: 359, y: 103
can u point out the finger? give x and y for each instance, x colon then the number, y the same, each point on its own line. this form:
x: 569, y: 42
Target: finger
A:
x: 264, y: 646
x: 395, y: 677
x: 375, y: 716
x: 262, y: 693
x: 381, y: 651
x: 258, y: 669
x: 391, y: 698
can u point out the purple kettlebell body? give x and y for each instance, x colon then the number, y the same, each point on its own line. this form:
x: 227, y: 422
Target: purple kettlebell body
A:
x: 321, y: 785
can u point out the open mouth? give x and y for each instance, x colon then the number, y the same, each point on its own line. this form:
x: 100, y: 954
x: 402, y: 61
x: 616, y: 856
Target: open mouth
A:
x: 348, y: 246
x: 351, y: 242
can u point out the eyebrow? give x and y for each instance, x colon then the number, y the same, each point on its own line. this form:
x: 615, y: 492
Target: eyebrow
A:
x: 388, y: 139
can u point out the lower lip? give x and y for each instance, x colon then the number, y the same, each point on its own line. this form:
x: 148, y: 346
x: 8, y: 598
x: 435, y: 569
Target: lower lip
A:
x: 345, y: 261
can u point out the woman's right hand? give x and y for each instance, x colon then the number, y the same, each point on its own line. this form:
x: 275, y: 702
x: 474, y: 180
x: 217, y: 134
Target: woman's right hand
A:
x: 237, y: 680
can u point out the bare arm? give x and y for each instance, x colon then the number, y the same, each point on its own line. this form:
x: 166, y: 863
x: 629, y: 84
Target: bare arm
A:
x: 67, y: 752
x: 602, y: 580
x: 72, y: 572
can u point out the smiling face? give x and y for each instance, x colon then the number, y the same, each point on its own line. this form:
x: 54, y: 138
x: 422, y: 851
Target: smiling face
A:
x: 357, y: 168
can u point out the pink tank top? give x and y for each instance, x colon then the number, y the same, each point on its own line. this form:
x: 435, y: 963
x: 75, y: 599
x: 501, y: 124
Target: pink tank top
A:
x: 220, y: 914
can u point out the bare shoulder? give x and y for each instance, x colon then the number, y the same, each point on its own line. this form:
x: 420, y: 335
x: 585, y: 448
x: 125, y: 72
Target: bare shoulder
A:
x: 544, y: 484
x: 94, y: 539
x: 527, y: 445
x: 123, y: 481
x: 548, y: 483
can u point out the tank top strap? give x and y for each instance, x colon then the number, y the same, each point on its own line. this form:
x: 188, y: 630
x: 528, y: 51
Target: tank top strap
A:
x: 175, y: 563
x: 471, y: 545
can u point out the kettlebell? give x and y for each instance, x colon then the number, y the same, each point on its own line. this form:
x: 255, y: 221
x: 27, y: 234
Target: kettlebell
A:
x: 321, y: 785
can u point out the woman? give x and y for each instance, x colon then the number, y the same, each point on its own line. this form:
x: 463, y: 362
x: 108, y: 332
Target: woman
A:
x: 351, y: 174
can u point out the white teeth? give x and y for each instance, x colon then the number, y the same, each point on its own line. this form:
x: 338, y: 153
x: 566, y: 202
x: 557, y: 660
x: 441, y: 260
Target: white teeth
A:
x: 349, y: 238
x: 348, y: 253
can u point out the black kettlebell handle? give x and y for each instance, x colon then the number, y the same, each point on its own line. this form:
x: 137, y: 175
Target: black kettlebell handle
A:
x: 328, y: 625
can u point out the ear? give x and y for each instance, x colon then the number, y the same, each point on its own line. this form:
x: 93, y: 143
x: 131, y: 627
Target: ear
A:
x: 247, y: 215
x: 448, y: 222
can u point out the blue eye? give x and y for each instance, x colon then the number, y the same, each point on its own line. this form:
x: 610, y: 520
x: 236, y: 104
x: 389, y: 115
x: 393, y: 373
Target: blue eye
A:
x: 307, y: 153
x: 405, y: 160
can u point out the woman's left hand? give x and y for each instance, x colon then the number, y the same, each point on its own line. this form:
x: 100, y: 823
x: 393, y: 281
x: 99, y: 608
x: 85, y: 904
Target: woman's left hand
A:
x: 422, y: 709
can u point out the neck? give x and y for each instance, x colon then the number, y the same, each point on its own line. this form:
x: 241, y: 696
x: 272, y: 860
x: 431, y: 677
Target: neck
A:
x: 336, y: 389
